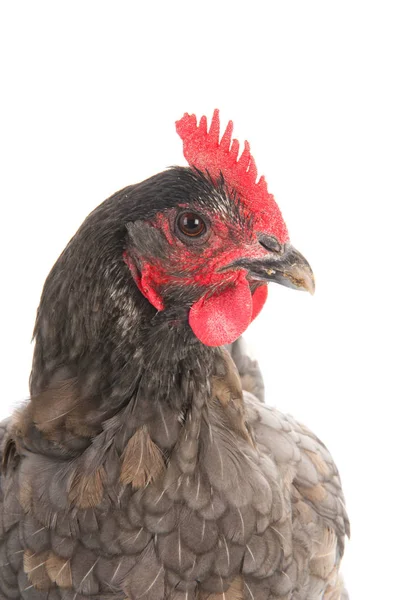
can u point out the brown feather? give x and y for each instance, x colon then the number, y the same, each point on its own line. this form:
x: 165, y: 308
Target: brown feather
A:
x: 142, y: 460
x: 87, y: 490
x: 50, y: 408
x: 35, y: 568
x: 234, y: 592
x: 59, y: 570
x: 319, y: 463
x: 59, y: 407
x: 317, y: 493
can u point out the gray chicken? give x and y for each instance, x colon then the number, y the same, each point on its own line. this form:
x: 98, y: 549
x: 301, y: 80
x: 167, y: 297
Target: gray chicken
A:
x: 145, y: 464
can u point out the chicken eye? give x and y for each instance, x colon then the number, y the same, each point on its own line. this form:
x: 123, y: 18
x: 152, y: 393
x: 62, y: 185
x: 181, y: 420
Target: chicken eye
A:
x: 191, y: 225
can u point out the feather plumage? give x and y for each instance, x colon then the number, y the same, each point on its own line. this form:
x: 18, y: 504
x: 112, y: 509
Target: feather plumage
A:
x: 145, y: 464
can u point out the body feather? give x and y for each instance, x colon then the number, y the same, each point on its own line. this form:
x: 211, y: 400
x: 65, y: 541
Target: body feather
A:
x: 254, y: 510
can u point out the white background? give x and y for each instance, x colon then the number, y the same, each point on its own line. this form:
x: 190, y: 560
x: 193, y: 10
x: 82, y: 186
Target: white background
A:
x: 89, y: 96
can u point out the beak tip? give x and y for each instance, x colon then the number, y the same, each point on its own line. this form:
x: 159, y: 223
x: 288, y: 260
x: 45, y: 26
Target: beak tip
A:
x: 301, y: 279
x: 310, y: 285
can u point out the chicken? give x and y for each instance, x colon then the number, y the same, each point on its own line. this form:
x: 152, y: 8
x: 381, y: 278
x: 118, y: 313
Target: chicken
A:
x: 145, y: 464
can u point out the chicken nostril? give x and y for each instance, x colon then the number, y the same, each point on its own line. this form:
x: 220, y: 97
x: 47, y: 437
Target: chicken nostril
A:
x: 270, y: 243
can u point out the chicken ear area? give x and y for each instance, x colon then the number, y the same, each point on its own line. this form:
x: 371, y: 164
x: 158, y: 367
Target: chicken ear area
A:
x: 222, y: 318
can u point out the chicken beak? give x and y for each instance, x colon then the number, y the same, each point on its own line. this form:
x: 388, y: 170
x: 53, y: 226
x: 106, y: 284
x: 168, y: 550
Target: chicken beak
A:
x: 288, y: 268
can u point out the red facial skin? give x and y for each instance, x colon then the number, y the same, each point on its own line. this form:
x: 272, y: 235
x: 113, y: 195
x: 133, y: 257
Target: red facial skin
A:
x: 222, y: 314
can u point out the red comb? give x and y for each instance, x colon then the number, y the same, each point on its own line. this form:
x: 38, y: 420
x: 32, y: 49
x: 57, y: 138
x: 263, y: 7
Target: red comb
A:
x: 204, y: 151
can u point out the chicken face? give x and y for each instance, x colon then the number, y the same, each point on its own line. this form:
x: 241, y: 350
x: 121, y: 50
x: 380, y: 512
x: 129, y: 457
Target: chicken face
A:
x: 211, y: 254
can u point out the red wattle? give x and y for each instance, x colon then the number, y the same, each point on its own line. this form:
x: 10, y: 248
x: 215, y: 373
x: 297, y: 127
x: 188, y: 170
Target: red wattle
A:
x: 220, y: 319
x: 259, y: 297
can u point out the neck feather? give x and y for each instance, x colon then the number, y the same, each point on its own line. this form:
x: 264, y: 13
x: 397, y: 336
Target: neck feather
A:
x: 128, y: 364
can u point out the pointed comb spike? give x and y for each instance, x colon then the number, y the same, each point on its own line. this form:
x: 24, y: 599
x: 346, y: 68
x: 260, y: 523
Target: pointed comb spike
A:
x: 243, y: 161
x: 186, y: 124
x: 262, y: 182
x: 203, y: 126
x: 252, y: 170
x: 226, y: 138
x: 234, y: 151
x: 213, y: 134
